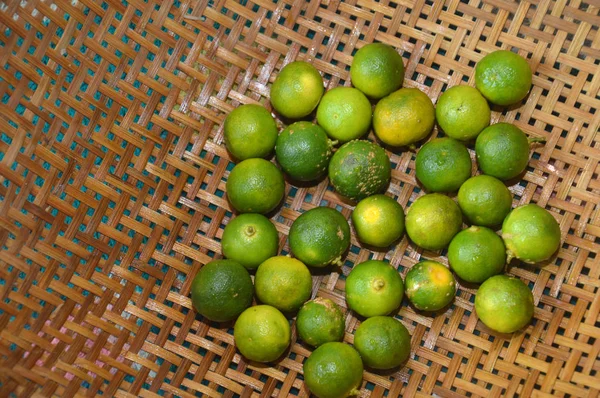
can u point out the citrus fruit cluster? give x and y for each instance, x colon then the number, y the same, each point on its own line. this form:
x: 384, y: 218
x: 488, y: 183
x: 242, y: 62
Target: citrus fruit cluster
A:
x: 360, y: 171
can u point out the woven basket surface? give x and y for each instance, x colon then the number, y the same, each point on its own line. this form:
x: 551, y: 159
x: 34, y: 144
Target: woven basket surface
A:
x: 113, y: 171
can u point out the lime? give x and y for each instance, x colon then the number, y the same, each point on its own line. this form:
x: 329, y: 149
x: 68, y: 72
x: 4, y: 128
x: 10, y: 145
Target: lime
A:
x: 334, y: 370
x: 503, y: 77
x: 359, y: 169
x: 297, y: 90
x: 255, y: 186
x: 430, y: 286
x: 283, y: 282
x: 378, y: 220
x: 303, y: 151
x: 377, y: 70
x: 443, y: 164
x: 504, y: 304
x: 221, y: 290
x: 374, y: 288
x: 462, y: 112
x: 250, y: 132
x: 320, y: 321
x: 382, y: 342
x: 345, y: 114
x: 502, y: 151
x: 484, y: 200
x: 319, y: 237
x: 262, y: 333
x: 404, y: 117
x: 432, y: 221
x: 476, y: 253
x: 250, y: 239
x: 530, y: 234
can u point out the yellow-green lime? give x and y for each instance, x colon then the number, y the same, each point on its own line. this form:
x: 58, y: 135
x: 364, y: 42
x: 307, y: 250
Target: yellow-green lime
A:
x: 320, y: 321
x: 484, y: 200
x: 476, y: 254
x: 377, y: 70
x: 319, y: 237
x: 359, y: 169
x: 462, y: 112
x: 255, y: 186
x: 334, y: 370
x: 503, y: 77
x: 430, y: 286
x: 303, y: 151
x: 250, y: 132
x: 250, y: 239
x: 443, y: 164
x: 345, y: 114
x: 502, y: 151
x: 531, y: 234
x: 262, y: 333
x: 221, y: 290
x: 504, y: 304
x: 382, y: 342
x: 283, y: 282
x: 378, y: 220
x: 374, y: 288
x: 404, y: 117
x: 297, y: 90
x: 432, y: 221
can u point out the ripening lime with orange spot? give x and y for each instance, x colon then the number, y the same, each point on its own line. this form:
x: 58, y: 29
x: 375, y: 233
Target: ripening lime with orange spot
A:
x: 430, y: 286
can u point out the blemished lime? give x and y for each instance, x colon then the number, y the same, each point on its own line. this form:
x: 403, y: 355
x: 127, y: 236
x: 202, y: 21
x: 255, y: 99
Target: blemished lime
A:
x: 320, y: 321
x: 430, y: 286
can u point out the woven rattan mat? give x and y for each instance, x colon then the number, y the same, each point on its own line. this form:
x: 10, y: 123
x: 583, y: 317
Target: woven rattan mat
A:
x: 113, y: 170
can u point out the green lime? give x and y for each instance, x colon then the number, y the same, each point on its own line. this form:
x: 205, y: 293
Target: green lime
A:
x: 345, y: 114
x: 432, y: 221
x: 530, y: 234
x: 502, y: 151
x: 476, y: 253
x: 430, y: 286
x: 504, y: 304
x: 334, y: 370
x: 374, y: 288
x: 319, y: 237
x: 250, y: 239
x: 503, y: 77
x: 320, y: 321
x: 378, y: 220
x: 262, y: 333
x: 221, y: 290
x: 484, y: 200
x: 462, y: 112
x: 377, y: 70
x: 359, y: 169
x: 404, y: 117
x: 255, y: 186
x: 443, y: 164
x: 283, y: 282
x: 382, y: 342
x: 297, y: 90
x: 250, y: 132
x: 303, y: 151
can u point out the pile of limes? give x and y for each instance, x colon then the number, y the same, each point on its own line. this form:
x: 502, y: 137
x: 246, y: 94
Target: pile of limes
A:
x: 360, y: 171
